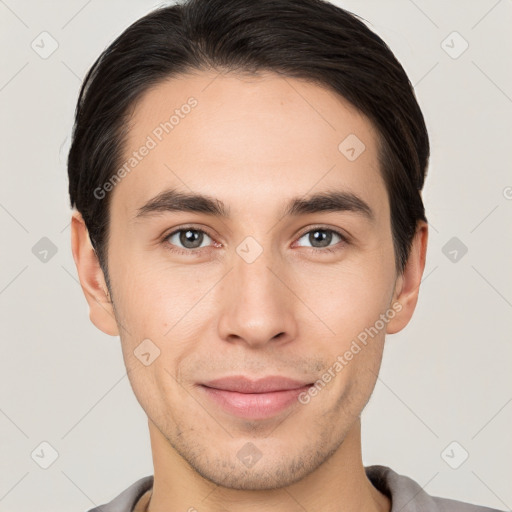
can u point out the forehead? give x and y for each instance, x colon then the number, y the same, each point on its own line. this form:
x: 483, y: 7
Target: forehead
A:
x: 248, y: 140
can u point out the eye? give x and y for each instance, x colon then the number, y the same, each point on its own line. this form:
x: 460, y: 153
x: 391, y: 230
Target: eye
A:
x: 321, y: 238
x: 186, y: 239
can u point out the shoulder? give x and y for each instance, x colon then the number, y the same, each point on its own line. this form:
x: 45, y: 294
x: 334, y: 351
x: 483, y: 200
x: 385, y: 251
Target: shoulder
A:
x: 408, y: 496
x: 448, y: 505
x: 126, y: 501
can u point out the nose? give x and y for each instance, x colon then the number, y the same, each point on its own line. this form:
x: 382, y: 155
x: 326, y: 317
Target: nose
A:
x: 258, y: 303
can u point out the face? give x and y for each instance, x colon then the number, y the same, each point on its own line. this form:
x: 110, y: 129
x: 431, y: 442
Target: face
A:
x: 259, y: 291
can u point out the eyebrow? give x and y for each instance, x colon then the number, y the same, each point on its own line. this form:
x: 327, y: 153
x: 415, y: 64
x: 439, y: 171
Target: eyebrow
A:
x: 331, y: 201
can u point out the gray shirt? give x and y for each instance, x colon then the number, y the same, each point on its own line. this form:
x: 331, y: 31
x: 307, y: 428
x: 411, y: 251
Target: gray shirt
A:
x: 405, y: 494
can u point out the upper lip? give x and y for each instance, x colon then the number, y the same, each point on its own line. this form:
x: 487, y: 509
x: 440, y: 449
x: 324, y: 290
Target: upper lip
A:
x: 243, y: 384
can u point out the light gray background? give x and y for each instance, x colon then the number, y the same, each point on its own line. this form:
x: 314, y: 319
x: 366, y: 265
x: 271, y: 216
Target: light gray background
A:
x: 445, y: 378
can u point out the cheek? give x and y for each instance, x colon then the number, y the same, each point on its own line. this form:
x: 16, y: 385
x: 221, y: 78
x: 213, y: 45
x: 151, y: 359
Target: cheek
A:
x: 166, y: 304
x: 347, y: 298
x: 146, y: 287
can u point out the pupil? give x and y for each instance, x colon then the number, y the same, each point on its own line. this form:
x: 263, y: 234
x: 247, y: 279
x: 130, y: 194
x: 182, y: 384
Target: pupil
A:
x: 190, y: 236
x: 324, y: 238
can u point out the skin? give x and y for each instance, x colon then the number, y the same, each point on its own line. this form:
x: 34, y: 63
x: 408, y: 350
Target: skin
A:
x: 253, y: 143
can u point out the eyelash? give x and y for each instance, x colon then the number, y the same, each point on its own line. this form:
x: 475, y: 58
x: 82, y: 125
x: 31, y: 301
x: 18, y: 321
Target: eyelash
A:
x: 188, y: 252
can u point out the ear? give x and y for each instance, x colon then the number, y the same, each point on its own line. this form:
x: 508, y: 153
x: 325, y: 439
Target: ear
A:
x: 407, y: 285
x: 91, y: 278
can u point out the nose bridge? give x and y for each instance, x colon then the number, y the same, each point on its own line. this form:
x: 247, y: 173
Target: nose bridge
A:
x: 259, y: 305
x: 252, y: 269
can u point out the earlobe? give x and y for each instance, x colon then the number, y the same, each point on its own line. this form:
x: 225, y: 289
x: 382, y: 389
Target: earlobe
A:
x: 407, y: 285
x: 91, y: 278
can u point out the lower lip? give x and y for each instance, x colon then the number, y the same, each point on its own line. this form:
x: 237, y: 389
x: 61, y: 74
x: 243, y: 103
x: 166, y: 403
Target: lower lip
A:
x: 254, y: 405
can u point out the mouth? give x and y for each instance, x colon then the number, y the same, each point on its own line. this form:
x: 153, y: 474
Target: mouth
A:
x: 254, y: 399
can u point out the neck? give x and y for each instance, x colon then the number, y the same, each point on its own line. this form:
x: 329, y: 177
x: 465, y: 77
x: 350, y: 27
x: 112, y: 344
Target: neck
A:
x: 340, y: 483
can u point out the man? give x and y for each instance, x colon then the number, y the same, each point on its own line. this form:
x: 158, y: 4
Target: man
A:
x: 247, y: 181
